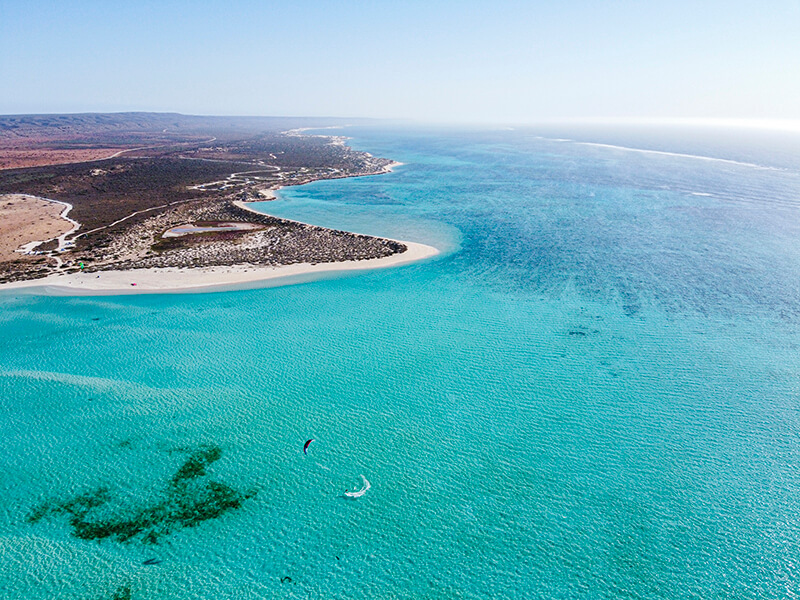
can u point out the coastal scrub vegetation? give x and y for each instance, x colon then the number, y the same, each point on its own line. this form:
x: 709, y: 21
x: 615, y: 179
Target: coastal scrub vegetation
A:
x: 129, y: 176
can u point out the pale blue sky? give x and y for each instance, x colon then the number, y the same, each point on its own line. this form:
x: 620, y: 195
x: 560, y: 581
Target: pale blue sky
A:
x: 468, y: 61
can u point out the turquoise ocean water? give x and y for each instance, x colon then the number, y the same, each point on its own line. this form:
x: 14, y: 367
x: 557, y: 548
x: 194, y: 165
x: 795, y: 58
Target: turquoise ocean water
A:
x: 592, y: 393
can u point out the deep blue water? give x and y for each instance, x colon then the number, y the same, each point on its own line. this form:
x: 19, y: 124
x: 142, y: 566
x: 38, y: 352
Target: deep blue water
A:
x: 593, y: 392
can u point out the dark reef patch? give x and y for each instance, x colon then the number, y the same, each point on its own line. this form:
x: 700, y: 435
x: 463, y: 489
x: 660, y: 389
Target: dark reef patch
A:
x: 195, y: 465
x: 123, y: 593
x: 189, y: 498
x: 582, y: 331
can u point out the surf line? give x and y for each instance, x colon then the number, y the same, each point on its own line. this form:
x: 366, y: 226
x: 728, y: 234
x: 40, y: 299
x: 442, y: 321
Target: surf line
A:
x: 680, y: 155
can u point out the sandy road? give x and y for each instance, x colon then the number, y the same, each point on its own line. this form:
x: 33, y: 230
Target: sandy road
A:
x: 26, y: 221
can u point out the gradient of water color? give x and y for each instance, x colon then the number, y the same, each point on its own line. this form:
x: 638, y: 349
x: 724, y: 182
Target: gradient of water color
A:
x: 593, y: 392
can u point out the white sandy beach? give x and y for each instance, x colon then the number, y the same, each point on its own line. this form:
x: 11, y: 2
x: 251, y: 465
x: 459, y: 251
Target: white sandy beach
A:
x: 172, y: 280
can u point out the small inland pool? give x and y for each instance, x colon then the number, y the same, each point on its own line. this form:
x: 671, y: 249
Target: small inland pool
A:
x: 192, y: 228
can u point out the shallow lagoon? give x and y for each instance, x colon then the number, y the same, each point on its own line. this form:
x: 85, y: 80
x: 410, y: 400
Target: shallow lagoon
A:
x: 593, y: 391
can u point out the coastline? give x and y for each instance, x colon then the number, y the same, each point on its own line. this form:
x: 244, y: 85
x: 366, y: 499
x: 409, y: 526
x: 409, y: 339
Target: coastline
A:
x: 205, y: 279
x: 270, y: 193
x: 240, y: 269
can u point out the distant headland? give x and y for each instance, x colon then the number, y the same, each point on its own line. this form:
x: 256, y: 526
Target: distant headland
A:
x: 94, y: 202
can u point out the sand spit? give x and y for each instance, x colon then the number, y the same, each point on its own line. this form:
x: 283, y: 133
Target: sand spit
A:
x: 174, y: 280
x: 235, y: 245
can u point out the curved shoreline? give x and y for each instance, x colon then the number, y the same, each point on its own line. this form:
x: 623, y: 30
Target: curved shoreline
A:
x: 187, y: 278
x: 205, y: 279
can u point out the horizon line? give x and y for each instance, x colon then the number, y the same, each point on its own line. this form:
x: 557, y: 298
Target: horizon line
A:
x: 789, y: 125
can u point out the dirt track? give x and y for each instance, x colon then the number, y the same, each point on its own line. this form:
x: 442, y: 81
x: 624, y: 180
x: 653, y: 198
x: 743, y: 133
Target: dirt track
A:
x: 24, y: 219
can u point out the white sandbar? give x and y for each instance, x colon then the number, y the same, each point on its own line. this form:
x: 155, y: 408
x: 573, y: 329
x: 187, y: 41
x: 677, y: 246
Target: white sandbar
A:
x: 173, y: 279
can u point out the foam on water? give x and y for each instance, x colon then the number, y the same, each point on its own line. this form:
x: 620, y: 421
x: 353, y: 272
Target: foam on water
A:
x: 358, y: 493
x: 593, y: 393
x: 677, y: 155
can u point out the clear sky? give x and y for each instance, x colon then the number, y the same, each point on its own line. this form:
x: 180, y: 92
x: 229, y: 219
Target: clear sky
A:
x: 466, y: 61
